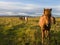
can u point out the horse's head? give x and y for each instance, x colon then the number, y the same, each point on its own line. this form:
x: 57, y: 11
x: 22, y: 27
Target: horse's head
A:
x: 47, y: 12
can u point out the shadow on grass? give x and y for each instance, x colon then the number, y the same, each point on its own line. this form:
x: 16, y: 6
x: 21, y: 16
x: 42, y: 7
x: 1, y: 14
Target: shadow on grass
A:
x: 12, y: 38
x: 55, y: 38
x: 35, y: 27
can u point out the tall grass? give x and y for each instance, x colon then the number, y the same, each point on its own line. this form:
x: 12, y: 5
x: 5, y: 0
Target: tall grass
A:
x: 14, y: 31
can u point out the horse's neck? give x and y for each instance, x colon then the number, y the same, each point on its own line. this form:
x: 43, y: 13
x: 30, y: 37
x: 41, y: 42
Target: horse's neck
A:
x: 47, y: 17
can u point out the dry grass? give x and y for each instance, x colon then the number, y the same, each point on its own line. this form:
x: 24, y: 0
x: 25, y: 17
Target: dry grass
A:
x: 18, y: 32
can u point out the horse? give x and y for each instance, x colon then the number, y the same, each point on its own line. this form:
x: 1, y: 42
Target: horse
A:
x: 24, y: 18
x: 21, y: 18
x: 45, y: 22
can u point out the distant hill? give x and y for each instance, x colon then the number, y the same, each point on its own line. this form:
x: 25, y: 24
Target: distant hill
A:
x: 25, y: 15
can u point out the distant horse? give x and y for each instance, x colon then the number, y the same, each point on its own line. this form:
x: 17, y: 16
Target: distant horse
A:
x: 24, y: 18
x: 45, y: 23
x: 21, y: 18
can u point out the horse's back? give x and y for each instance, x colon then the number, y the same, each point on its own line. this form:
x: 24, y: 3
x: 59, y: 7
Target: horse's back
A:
x: 53, y: 21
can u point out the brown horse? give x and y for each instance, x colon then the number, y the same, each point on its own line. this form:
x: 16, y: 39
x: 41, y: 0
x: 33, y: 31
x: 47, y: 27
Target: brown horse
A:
x: 21, y: 18
x: 45, y: 23
x: 24, y: 18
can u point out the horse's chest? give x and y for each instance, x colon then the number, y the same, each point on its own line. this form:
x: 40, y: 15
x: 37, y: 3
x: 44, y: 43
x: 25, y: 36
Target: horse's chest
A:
x: 47, y: 21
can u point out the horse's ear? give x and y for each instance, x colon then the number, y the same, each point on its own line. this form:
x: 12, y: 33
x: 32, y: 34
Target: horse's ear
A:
x: 51, y: 9
x: 44, y: 10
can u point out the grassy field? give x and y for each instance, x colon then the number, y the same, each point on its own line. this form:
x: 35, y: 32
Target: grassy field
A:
x: 14, y: 31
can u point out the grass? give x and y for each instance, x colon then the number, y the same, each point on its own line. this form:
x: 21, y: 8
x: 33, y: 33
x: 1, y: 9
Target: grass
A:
x: 14, y: 31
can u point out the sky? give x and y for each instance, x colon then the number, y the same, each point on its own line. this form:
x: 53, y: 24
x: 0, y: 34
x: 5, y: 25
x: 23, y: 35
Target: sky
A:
x: 28, y: 7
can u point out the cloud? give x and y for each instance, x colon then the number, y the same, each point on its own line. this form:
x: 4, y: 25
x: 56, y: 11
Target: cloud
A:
x: 19, y: 8
x: 10, y: 8
x: 58, y: 8
x: 17, y: 5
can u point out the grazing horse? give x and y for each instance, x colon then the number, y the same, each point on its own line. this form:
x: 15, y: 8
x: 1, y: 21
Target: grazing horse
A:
x: 45, y: 23
x: 24, y: 18
x: 21, y: 18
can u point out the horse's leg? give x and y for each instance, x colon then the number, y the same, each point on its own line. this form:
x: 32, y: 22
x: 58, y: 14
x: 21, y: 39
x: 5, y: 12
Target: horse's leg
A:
x: 46, y: 33
x: 48, y: 36
x: 43, y: 35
